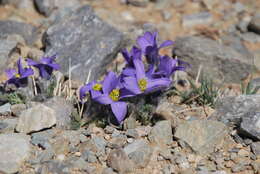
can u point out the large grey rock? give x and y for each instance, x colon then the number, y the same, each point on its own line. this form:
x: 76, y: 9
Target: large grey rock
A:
x: 63, y: 110
x: 119, y: 161
x: 230, y: 110
x: 14, y: 149
x: 161, y: 133
x: 84, y: 39
x: 139, y: 152
x: 254, y: 24
x: 27, y: 31
x: 36, y: 118
x: 222, y: 63
x: 201, y: 135
x: 46, y: 7
x: 6, y: 48
x: 250, y: 125
x: 234, y: 41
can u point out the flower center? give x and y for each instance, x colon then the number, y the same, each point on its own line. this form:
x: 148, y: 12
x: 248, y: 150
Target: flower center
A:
x: 114, y: 94
x: 142, y: 83
x: 97, y: 87
x: 17, y: 75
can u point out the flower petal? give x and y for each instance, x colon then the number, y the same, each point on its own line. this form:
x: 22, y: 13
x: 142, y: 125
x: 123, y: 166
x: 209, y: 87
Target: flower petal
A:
x: 145, y: 41
x: 27, y: 72
x: 126, y: 93
x: 48, y: 60
x: 128, y: 71
x: 150, y: 37
x: 131, y: 84
x: 139, y: 67
x: 166, y: 44
x: 45, y: 71
x: 31, y: 62
x: 167, y: 65
x: 126, y: 55
x: 10, y: 73
x: 136, y: 53
x: 84, y: 89
x: 157, y: 84
x: 54, y: 66
x: 20, y: 66
x: 103, y: 99
x: 110, y: 82
x: 119, y: 109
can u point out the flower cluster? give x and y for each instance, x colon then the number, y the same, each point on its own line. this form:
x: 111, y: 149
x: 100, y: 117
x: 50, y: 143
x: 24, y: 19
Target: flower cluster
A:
x: 19, y: 78
x: 136, y: 78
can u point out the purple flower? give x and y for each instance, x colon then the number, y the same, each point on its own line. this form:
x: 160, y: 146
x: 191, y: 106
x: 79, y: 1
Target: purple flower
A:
x: 143, y: 82
x: 46, y: 66
x: 135, y: 53
x: 109, y: 92
x: 149, y: 47
x: 168, y: 66
x: 20, y: 78
x: 94, y: 88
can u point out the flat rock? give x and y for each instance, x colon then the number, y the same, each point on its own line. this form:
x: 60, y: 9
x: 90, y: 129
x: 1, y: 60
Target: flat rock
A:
x: 222, y: 63
x: 27, y: 31
x: 139, y: 152
x: 201, y: 135
x: 43, y: 139
x: 96, y: 144
x: 250, y: 125
x: 26, y: 5
x: 119, y: 161
x: 138, y: 3
x: 161, y: 133
x: 197, y: 19
x: 8, y: 125
x: 36, y: 118
x: 63, y: 110
x: 231, y: 110
x: 254, y: 24
x: 251, y: 37
x: 84, y: 39
x: 5, y: 109
x: 14, y: 150
x: 256, y: 148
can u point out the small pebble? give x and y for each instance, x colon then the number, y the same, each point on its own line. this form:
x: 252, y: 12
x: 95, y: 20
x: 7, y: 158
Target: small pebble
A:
x: 130, y: 140
x: 78, y: 154
x: 243, y: 152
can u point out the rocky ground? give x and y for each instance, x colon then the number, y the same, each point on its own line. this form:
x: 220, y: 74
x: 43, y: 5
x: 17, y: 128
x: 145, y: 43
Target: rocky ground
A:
x: 212, y: 132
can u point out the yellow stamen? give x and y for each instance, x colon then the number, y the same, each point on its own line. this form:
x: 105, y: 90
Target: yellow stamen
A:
x: 114, y: 94
x: 142, y: 83
x: 97, y: 87
x: 17, y: 75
